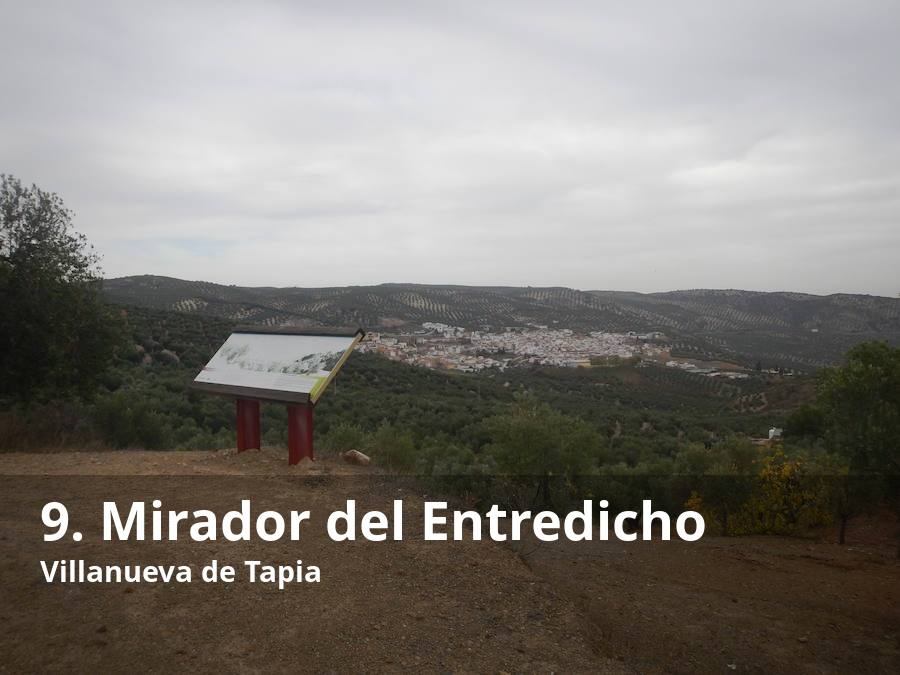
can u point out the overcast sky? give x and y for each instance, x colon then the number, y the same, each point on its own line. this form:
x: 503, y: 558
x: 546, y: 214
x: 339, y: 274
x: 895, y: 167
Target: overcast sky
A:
x: 622, y: 145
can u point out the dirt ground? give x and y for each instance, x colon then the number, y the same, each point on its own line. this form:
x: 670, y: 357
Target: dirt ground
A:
x: 755, y: 604
x: 763, y: 604
x: 380, y: 606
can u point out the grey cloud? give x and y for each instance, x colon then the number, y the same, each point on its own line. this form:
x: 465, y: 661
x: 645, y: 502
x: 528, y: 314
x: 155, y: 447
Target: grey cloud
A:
x: 643, y: 146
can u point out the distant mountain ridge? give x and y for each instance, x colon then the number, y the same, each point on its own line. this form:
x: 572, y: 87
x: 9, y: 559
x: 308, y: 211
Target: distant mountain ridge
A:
x: 783, y: 328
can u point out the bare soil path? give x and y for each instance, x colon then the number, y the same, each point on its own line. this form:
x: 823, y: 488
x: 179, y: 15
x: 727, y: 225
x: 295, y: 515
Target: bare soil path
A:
x: 380, y: 606
x: 753, y: 604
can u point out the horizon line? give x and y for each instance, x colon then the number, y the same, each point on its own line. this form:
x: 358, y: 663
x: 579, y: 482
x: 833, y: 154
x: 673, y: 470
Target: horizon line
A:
x: 507, y: 286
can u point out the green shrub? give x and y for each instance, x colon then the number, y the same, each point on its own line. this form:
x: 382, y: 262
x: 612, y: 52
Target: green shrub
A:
x: 392, y: 447
x: 342, y: 437
x: 126, y: 421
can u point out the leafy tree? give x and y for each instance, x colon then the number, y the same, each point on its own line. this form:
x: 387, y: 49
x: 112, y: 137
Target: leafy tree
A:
x: 57, y: 336
x: 807, y: 422
x: 845, y: 494
x: 861, y: 403
x: 786, y: 498
x: 722, y: 477
x: 534, y: 442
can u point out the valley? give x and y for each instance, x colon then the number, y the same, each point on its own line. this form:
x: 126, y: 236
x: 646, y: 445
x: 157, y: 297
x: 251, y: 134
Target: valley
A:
x: 786, y: 330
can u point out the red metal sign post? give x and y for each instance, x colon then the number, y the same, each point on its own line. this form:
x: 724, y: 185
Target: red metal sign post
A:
x: 248, y: 435
x: 300, y: 432
x: 300, y: 429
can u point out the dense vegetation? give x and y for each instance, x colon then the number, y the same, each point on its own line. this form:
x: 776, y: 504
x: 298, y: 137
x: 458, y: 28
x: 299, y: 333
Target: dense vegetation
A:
x: 147, y: 382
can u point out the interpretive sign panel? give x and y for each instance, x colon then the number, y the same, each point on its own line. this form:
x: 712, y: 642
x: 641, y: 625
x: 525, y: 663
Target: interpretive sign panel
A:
x: 277, y: 364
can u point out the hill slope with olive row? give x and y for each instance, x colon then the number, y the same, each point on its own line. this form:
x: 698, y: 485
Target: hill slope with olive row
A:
x: 787, y: 329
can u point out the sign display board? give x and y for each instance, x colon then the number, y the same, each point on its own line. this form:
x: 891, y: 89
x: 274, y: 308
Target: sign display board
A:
x: 277, y: 364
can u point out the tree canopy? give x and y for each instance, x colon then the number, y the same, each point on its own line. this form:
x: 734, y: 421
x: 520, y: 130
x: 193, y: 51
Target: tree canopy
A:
x: 861, y: 403
x: 57, y: 336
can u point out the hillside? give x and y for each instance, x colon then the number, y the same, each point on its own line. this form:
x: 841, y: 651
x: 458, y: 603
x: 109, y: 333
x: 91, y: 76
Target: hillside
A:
x: 147, y: 388
x: 787, y: 329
